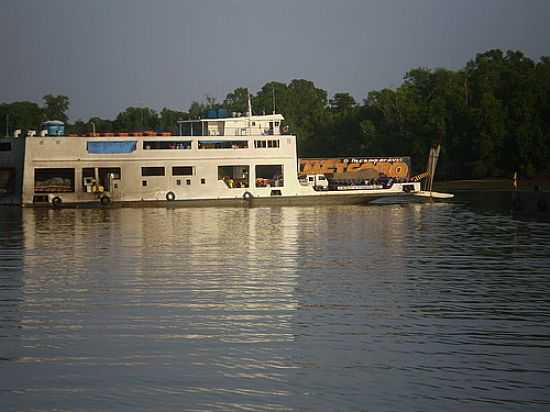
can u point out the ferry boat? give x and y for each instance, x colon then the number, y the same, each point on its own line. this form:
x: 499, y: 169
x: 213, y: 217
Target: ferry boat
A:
x: 242, y: 160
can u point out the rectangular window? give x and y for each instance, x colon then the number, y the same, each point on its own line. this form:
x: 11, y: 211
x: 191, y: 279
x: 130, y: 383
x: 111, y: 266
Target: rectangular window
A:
x: 182, y: 171
x: 203, y: 181
x: 144, y: 183
x: 178, y: 182
x: 260, y: 144
x: 273, y: 143
x: 269, y: 176
x: 223, y: 144
x: 152, y: 171
x: 190, y: 129
x: 5, y: 146
x: 167, y: 144
x: 234, y: 176
x: 54, y: 180
x: 188, y: 182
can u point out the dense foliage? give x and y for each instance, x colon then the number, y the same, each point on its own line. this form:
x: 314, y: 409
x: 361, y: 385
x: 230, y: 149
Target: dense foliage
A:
x: 492, y: 116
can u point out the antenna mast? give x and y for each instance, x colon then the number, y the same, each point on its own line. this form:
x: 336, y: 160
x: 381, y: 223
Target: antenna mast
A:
x: 249, y: 104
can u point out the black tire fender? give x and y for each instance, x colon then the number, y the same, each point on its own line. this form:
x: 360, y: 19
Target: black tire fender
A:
x: 105, y: 200
x: 170, y: 196
x: 56, y: 201
x: 247, y: 195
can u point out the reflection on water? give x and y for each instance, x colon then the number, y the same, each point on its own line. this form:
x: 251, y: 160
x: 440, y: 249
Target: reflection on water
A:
x: 395, y: 307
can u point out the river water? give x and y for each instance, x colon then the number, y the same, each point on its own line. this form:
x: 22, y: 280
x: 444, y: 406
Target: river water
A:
x: 417, y: 307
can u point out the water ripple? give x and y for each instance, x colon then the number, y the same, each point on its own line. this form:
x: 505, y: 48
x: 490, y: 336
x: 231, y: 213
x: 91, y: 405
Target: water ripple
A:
x: 318, y: 308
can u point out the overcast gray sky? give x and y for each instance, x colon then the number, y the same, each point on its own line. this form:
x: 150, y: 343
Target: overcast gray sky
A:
x: 107, y: 55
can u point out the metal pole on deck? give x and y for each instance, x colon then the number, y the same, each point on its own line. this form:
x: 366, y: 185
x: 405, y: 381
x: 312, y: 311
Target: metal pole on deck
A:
x: 7, y: 124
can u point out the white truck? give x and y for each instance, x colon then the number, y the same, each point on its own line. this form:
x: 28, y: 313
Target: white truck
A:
x: 319, y: 182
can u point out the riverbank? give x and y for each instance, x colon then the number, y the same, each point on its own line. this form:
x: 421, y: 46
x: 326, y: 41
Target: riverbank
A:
x: 495, y: 184
x: 531, y: 200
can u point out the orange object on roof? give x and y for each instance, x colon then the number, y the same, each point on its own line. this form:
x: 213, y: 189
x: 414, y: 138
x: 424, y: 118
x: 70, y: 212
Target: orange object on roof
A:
x: 136, y: 134
x: 150, y: 133
x: 166, y: 134
x: 123, y: 134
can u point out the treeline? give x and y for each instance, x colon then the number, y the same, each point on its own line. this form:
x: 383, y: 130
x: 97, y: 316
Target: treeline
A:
x: 492, y: 117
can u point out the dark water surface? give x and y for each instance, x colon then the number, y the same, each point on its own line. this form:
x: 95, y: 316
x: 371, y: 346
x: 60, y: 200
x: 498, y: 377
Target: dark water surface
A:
x: 349, y: 308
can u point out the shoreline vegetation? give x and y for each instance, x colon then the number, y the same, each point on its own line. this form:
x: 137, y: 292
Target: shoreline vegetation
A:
x: 492, y: 118
x: 541, y: 184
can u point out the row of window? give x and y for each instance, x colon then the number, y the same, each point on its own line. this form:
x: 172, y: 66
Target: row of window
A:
x: 59, y: 180
x: 178, y: 182
x: 260, y: 144
x: 160, y: 171
x: 167, y: 145
x: 223, y: 144
x: 120, y: 147
x: 209, y: 144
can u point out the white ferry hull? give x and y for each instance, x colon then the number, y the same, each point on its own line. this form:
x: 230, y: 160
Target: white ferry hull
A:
x: 319, y: 198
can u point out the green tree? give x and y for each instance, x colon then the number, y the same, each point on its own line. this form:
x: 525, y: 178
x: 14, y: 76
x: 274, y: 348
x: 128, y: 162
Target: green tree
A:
x: 307, y: 106
x: 342, y: 102
x: 99, y: 125
x: 273, y: 96
x: 168, y: 119
x: 56, y: 107
x: 236, y: 101
x: 20, y: 115
x: 136, y: 119
x: 200, y: 109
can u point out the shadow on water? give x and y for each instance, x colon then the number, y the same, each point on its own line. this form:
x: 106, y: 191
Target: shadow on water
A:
x: 11, y: 282
x: 531, y: 206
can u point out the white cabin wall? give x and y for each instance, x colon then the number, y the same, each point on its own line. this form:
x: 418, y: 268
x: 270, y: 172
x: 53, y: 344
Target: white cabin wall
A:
x: 71, y: 152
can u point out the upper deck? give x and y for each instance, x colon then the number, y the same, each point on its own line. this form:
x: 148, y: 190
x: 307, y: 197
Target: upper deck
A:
x: 258, y: 125
x: 91, y: 148
x: 230, y: 137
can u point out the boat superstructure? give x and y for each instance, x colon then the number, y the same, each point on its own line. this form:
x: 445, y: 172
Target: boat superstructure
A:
x: 232, y: 159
